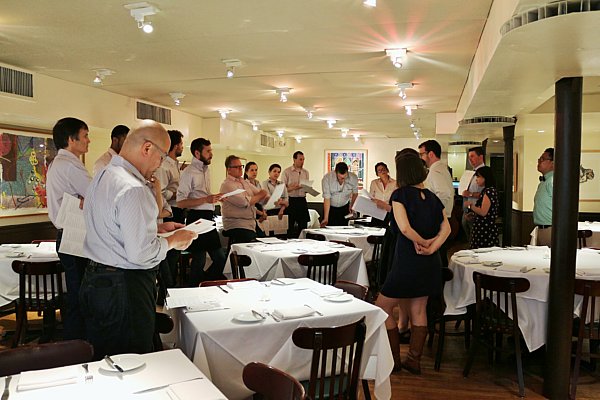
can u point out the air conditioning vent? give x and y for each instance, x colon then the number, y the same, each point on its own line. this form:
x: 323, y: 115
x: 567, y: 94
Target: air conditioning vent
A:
x: 155, y: 113
x: 267, y: 141
x: 16, y: 82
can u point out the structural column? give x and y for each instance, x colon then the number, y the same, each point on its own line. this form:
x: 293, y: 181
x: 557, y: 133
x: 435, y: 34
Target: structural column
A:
x: 567, y: 138
x: 508, y: 133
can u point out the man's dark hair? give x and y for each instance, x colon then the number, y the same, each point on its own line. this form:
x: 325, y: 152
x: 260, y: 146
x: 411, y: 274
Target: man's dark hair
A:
x: 432, y: 145
x: 487, y: 174
x: 273, y: 166
x: 381, y: 164
x: 341, y: 168
x: 119, y: 131
x: 478, y: 150
x: 410, y: 169
x: 66, y: 128
x: 176, y: 138
x: 229, y: 159
x: 198, y: 144
x: 550, y: 151
x: 298, y: 153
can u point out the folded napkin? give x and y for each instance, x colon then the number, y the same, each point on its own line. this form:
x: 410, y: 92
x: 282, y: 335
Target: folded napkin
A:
x: 30, y: 380
x: 486, y: 249
x: 43, y: 254
x: 464, y: 253
x: 326, y: 290
x: 243, y: 285
x: 293, y: 312
x: 532, y: 247
x: 588, y: 272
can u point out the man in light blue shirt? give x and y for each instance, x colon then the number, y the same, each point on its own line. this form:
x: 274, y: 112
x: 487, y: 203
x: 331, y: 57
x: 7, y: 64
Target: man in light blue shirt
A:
x: 542, y: 202
x: 118, y: 292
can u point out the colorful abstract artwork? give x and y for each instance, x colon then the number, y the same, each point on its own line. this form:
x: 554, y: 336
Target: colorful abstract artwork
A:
x: 24, y: 160
x: 356, y: 160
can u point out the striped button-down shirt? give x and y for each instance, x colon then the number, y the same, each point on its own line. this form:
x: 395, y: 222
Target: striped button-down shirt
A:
x: 120, y: 216
x: 194, y: 183
x: 236, y: 210
x: 292, y: 176
x: 168, y: 173
x: 340, y: 194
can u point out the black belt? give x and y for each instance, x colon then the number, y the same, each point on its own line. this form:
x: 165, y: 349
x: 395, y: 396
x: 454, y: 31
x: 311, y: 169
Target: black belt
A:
x: 95, y: 266
x: 544, y: 226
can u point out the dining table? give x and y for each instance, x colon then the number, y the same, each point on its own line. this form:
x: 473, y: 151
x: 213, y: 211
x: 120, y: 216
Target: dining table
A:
x: 530, y: 262
x: 167, y: 375
x: 223, y: 328
x: 9, y: 280
x: 593, y: 241
x: 352, y: 234
x: 279, y: 259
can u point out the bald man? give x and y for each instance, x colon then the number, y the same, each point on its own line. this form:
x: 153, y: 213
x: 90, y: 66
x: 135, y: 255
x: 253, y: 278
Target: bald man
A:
x: 118, y: 292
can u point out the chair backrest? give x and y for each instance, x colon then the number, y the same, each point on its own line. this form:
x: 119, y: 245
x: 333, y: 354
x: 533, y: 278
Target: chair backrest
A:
x: 238, y: 262
x: 39, y: 284
x: 582, y: 235
x: 337, y: 353
x: 224, y: 282
x: 344, y: 243
x: 356, y: 290
x: 494, y: 294
x: 590, y: 290
x: 316, y: 236
x: 377, y: 242
x: 321, y: 267
x: 270, y: 383
x: 43, y: 356
x: 436, y: 304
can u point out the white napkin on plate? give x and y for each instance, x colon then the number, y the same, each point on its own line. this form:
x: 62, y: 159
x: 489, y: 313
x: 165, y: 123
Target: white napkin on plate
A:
x: 461, y: 253
x: 326, y: 290
x: 43, y: 254
x: 243, y: 285
x: 30, y: 380
x: 293, y: 312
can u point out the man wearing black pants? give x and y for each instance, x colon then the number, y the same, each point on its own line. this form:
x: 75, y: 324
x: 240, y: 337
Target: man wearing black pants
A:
x: 340, y: 190
x: 297, y: 211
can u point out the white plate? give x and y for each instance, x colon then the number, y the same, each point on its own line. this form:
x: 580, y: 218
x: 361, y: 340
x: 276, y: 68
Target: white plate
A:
x: 339, y: 299
x: 14, y: 255
x: 128, y: 362
x: 247, y: 317
x: 299, y: 251
x: 283, y: 281
x: 492, y: 263
x: 518, y: 248
x: 482, y: 250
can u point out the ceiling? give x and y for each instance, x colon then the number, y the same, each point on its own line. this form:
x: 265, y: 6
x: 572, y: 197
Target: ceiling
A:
x: 331, y: 53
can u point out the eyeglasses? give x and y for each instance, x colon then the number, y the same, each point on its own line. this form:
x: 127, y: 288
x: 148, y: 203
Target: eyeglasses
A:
x: 542, y: 159
x: 163, y: 155
x: 422, y: 154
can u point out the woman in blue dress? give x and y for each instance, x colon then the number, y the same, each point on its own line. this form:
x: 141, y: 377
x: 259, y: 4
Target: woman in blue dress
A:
x: 416, y: 269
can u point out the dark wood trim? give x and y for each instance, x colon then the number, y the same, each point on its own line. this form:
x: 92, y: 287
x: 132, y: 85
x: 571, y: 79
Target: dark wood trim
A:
x: 26, y: 129
x: 25, y: 233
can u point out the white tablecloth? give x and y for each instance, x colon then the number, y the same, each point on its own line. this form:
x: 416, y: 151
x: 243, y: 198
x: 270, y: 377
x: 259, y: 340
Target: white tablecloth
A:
x: 9, y: 280
x: 163, y: 374
x: 532, y: 304
x: 221, y: 347
x: 270, y: 261
x: 593, y: 241
x: 356, y: 236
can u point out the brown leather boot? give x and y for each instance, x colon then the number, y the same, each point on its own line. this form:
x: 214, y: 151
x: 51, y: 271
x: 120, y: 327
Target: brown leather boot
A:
x: 394, y: 339
x: 418, y: 335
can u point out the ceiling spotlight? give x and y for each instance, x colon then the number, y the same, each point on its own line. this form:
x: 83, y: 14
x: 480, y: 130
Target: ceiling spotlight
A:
x: 280, y: 132
x: 309, y: 112
x: 283, y: 94
x: 101, y: 73
x: 255, y: 126
x: 298, y: 139
x: 370, y: 3
x: 412, y: 124
x: 409, y: 109
x: 403, y: 86
x: 396, y: 55
x: 345, y: 132
x: 331, y: 123
x: 356, y: 136
x: 231, y: 64
x: 223, y: 113
x: 139, y: 11
x: 177, y: 96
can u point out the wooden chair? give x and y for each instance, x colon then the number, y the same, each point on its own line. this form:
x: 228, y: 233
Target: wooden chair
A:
x: 238, y: 262
x: 43, y: 356
x: 348, y: 244
x: 336, y: 358
x: 224, y: 282
x: 590, y: 290
x: 373, y: 264
x: 321, y: 267
x: 316, y: 236
x: 163, y: 323
x: 435, y: 317
x: 40, y: 290
x: 493, y: 293
x: 270, y: 383
x: 582, y: 235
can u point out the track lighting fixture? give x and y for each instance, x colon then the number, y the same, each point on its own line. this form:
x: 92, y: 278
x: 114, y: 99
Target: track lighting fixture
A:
x: 298, y: 139
x: 345, y: 132
x: 309, y: 112
x: 255, y: 126
x: 283, y: 94
x: 370, y: 3
x: 331, y: 123
x: 231, y: 65
x: 409, y: 109
x: 412, y: 124
x: 280, y: 132
x: 139, y: 11
x: 223, y: 113
x: 403, y: 86
x: 396, y: 55
x: 356, y: 136
x: 177, y: 96
x: 101, y: 73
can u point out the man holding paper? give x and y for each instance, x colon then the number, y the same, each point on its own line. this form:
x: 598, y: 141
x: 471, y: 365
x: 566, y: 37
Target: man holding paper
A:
x: 118, y: 292
x: 340, y: 189
x: 293, y: 177
x: 67, y: 174
x: 194, y: 193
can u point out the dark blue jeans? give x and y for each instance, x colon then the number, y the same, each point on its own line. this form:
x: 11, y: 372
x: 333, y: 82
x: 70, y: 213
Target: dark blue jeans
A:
x: 207, y: 242
x: 119, y: 309
x: 73, y: 323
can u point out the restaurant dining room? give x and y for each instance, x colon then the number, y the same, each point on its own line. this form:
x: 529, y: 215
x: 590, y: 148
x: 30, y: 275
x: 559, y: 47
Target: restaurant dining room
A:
x: 277, y: 199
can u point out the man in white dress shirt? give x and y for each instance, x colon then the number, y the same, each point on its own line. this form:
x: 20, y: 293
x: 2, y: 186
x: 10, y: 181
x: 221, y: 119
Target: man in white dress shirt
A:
x: 298, y: 216
x: 117, y: 137
x: 340, y: 190
x: 118, y: 292
x: 476, y: 157
x: 67, y: 174
x: 439, y: 182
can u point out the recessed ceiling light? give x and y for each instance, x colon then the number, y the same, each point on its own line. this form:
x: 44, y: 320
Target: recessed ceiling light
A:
x: 224, y: 113
x: 370, y: 3
x: 541, y: 131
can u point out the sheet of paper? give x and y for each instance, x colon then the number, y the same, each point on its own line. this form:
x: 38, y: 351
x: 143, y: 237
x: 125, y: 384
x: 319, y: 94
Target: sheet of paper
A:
x: 310, y: 190
x: 73, y: 225
x: 192, y: 302
x: 200, y: 226
x: 270, y: 240
x: 276, y: 225
x: 236, y: 191
x: 305, y: 182
x: 465, y: 179
x: 363, y: 192
x: 275, y: 196
x: 365, y: 206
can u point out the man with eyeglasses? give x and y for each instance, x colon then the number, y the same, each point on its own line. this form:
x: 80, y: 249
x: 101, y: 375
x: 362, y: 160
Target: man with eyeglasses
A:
x: 194, y: 193
x: 542, y: 202
x: 118, y: 291
x: 239, y: 211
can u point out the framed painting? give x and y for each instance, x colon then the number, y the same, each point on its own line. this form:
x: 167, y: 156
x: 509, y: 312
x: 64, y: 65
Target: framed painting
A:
x: 25, y: 155
x: 589, y: 178
x: 356, y: 160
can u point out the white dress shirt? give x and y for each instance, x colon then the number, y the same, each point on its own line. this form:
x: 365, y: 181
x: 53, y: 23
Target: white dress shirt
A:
x: 194, y: 183
x: 378, y: 192
x: 120, y: 216
x: 66, y: 174
x: 439, y: 182
x: 104, y: 160
x: 340, y: 195
x: 168, y: 173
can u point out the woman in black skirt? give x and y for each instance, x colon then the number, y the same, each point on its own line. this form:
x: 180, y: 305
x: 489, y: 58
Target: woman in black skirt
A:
x: 416, y: 269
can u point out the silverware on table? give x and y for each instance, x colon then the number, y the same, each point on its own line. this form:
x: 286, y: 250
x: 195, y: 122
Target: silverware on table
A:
x: 258, y: 315
x: 88, y: 376
x: 315, y: 310
x: 223, y: 290
x: 6, y: 392
x: 273, y: 316
x: 112, y: 364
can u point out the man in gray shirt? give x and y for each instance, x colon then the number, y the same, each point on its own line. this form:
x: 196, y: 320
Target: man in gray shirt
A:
x: 340, y: 189
x: 118, y: 292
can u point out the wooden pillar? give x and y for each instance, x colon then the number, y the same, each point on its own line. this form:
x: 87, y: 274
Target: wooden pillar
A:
x: 567, y: 149
x: 508, y: 133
